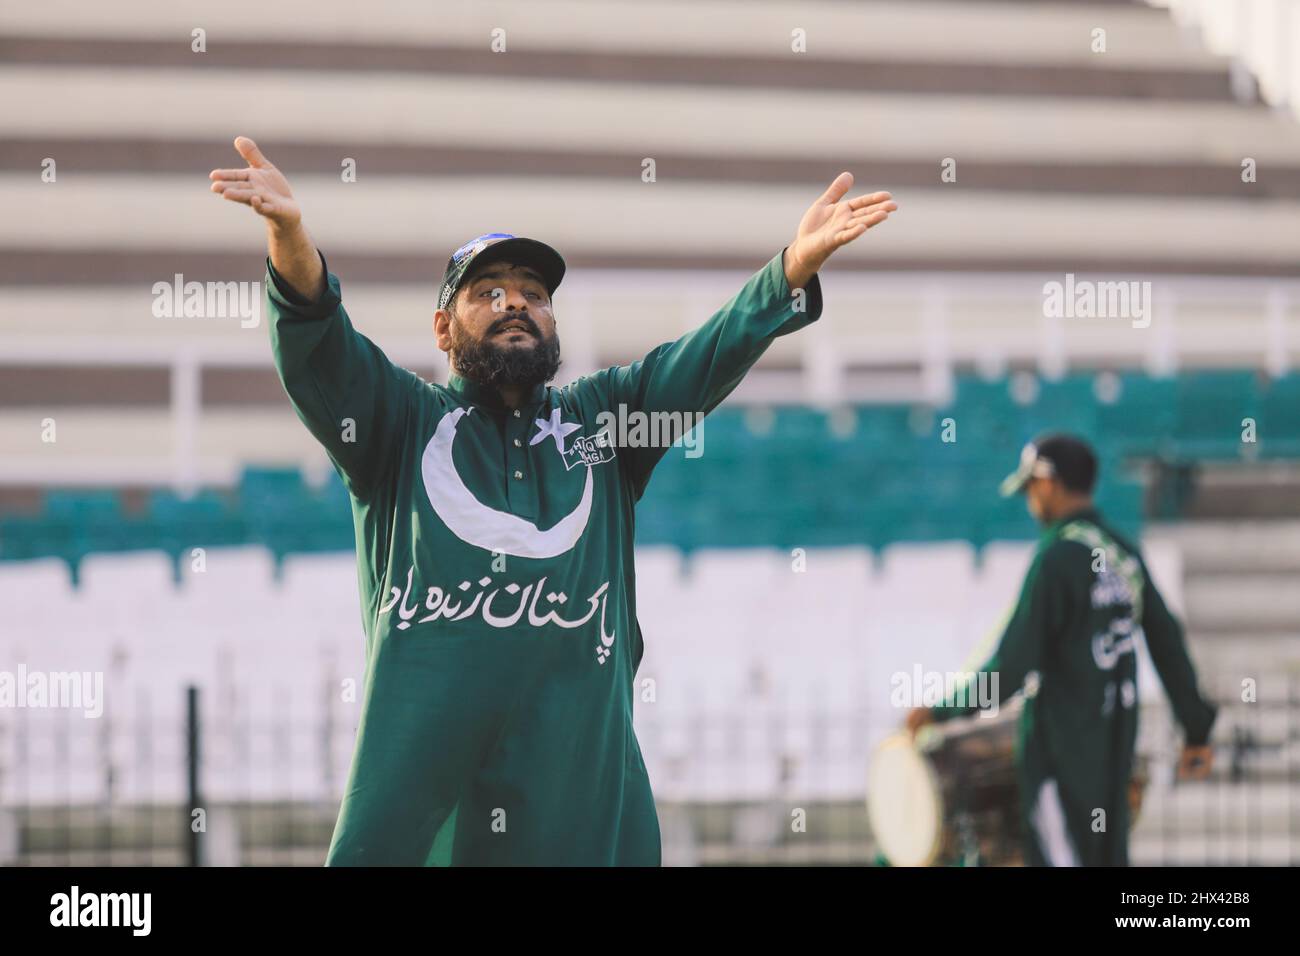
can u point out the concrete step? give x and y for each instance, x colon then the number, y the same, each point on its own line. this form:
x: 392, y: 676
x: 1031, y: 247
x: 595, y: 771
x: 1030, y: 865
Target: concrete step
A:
x: 1243, y: 602
x: 1237, y: 547
x: 1229, y: 656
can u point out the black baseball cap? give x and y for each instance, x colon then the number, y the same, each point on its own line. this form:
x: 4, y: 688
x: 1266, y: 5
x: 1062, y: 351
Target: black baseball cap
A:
x: 1066, y: 457
x: 496, y: 247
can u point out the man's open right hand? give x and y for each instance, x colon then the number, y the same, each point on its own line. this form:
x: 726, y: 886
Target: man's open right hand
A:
x: 259, y: 185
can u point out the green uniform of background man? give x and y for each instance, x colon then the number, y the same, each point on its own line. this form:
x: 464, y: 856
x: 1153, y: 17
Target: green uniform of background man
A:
x: 494, y: 529
x: 1084, y: 603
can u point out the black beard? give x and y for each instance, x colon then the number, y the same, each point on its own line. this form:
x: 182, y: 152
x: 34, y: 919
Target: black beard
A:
x: 485, y: 362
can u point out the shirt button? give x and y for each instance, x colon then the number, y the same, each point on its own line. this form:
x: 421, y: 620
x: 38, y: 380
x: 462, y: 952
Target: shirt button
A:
x: 519, y: 474
x: 518, y: 443
x: 516, y: 413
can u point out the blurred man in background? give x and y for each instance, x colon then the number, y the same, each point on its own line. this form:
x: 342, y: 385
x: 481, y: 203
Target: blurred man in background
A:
x: 1086, y: 598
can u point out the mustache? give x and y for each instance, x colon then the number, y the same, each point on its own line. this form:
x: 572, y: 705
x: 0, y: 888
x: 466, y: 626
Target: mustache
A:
x: 523, y: 317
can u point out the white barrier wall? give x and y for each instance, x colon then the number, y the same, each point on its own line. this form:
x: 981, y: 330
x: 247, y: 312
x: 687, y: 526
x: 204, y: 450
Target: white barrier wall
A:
x: 756, y: 676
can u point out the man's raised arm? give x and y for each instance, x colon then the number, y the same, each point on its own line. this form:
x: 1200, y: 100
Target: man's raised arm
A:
x: 342, y: 386
x: 263, y: 187
x: 1049, y: 593
x: 693, y: 374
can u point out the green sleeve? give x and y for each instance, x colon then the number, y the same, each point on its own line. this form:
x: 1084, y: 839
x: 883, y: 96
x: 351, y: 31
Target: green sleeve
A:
x: 695, y: 373
x: 1043, y: 609
x: 342, y: 387
x: 1164, y: 637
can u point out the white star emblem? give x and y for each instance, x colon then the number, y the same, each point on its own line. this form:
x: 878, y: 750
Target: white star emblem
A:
x: 554, y: 428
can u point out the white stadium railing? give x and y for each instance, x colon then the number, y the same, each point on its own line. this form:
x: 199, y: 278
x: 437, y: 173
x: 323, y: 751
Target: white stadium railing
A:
x: 890, y: 337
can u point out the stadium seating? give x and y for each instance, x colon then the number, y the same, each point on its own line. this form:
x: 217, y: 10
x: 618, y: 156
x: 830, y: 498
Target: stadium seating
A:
x: 784, y: 476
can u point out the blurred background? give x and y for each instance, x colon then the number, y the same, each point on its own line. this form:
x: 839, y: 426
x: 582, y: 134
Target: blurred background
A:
x: 667, y: 149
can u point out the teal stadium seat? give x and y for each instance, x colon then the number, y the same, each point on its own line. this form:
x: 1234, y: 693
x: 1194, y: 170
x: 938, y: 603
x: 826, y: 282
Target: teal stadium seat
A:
x: 1211, y: 407
x: 1141, y: 421
x: 725, y: 431
x: 1279, y: 418
x: 1064, y: 405
x: 280, y: 510
x: 26, y: 537
x: 986, y: 415
x: 205, y: 520
x: 777, y: 476
x: 333, y: 529
x: 79, y: 521
x: 801, y: 426
x: 882, y: 432
x: 1122, y: 502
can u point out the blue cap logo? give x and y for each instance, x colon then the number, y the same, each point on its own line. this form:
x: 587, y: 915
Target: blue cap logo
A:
x: 475, y: 246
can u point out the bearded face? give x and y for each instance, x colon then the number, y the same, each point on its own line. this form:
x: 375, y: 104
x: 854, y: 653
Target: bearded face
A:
x: 513, y: 350
x: 501, y: 330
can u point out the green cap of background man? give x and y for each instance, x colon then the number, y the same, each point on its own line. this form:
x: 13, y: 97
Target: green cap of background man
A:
x: 1060, y: 456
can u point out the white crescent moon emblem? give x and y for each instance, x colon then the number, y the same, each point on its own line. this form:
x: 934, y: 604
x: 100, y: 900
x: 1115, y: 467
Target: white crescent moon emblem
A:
x: 484, y: 527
